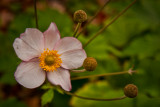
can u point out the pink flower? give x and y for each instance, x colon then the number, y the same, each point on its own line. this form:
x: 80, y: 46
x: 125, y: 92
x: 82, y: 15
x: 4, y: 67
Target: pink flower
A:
x: 46, y: 55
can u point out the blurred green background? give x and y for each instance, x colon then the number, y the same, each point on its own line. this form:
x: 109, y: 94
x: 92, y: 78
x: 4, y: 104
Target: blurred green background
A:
x: 134, y: 39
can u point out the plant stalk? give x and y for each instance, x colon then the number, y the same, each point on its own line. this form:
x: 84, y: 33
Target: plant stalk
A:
x: 100, y: 75
x: 106, y: 26
x: 95, y: 99
x: 35, y: 13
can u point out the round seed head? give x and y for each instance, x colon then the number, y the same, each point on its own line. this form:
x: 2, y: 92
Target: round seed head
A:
x: 90, y: 64
x: 80, y: 16
x: 130, y: 90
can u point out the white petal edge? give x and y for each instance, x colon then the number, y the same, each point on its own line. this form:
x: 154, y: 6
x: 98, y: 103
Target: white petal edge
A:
x: 67, y: 44
x: 24, y: 51
x: 29, y: 74
x: 73, y: 59
x: 60, y: 77
x: 51, y: 36
x: 34, y: 38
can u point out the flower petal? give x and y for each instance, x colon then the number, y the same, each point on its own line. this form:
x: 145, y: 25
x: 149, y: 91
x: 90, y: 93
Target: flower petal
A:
x: 24, y: 51
x: 34, y: 38
x: 51, y: 36
x: 29, y: 74
x: 60, y: 77
x: 68, y: 43
x: 73, y: 59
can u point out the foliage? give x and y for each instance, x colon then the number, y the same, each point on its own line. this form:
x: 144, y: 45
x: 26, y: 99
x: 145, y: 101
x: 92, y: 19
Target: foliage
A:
x: 134, y: 39
x: 47, y: 97
x: 101, y: 89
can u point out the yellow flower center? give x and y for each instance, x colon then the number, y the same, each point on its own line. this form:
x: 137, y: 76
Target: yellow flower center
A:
x: 50, y: 60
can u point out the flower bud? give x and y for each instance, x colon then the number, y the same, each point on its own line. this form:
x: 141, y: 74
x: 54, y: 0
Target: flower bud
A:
x: 90, y: 64
x: 80, y: 16
x: 130, y: 90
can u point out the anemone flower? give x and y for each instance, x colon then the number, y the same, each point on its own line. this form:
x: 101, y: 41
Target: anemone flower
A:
x: 47, y: 55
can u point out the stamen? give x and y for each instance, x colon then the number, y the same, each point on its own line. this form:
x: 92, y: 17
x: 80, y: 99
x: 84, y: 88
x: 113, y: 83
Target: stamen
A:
x: 50, y: 60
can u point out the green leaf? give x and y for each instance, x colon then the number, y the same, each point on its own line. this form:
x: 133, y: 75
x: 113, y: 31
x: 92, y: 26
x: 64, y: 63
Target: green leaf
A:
x: 102, y: 89
x: 47, y: 97
x: 47, y: 86
x: 59, y: 90
x: 143, y: 47
x: 120, y: 32
x: 93, y: 50
x: 149, y: 71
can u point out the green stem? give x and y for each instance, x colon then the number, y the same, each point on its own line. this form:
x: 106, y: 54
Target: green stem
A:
x: 96, y: 99
x: 106, y: 26
x: 78, y: 71
x: 89, y: 21
x: 100, y: 75
x: 35, y: 13
x: 77, y: 28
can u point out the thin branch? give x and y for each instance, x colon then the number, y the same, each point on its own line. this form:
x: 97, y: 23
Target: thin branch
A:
x: 96, y: 99
x: 100, y: 75
x: 76, y: 30
x: 78, y: 71
x: 35, y: 13
x: 106, y: 26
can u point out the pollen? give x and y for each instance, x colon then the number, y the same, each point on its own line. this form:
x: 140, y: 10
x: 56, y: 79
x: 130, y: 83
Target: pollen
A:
x: 50, y: 60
